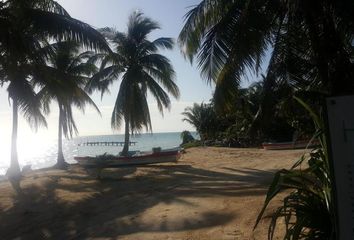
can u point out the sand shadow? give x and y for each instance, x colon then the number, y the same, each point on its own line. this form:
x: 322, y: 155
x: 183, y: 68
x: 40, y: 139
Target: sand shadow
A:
x: 111, y: 208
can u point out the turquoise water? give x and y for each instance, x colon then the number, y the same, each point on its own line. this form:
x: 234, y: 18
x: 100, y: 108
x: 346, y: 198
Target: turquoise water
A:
x: 41, y: 154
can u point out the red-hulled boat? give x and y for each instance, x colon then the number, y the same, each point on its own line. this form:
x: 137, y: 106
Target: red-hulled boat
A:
x: 139, y: 158
x: 290, y: 145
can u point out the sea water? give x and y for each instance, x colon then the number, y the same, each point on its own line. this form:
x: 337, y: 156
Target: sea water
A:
x: 42, y: 154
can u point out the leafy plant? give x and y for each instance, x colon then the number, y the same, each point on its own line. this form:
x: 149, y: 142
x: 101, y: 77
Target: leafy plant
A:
x: 203, y: 118
x: 187, y: 137
x: 192, y: 144
x: 307, y: 209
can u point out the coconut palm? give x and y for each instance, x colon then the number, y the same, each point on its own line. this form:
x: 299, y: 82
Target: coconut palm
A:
x: 203, y: 118
x: 142, y: 69
x: 311, y: 43
x: 27, y: 26
x: 63, y: 81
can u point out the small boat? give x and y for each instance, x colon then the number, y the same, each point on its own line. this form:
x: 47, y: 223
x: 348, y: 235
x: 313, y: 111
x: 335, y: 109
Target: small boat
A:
x: 136, y: 158
x: 290, y: 145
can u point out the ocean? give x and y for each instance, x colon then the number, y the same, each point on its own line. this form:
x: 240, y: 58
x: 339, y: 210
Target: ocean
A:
x: 43, y: 153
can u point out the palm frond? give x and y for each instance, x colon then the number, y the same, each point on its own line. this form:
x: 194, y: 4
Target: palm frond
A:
x: 67, y: 121
x: 162, y: 98
x: 140, y: 26
x: 107, y: 32
x: 64, y: 81
x: 103, y: 79
x: 50, y: 6
x: 64, y: 28
x: 119, y: 110
x: 28, y: 102
x: 163, y: 43
x: 197, y: 22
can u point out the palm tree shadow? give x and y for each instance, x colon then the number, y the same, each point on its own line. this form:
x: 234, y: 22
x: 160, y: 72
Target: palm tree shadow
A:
x: 75, y: 206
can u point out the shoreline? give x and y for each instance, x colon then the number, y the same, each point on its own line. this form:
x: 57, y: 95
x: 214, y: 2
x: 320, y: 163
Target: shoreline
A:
x: 46, y: 156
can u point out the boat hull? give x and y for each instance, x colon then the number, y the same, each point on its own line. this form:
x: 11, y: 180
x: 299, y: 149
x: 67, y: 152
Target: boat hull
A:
x: 150, y: 158
x: 289, y: 145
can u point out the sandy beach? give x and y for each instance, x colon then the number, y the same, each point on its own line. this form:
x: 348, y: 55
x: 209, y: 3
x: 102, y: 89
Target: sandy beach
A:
x: 211, y: 193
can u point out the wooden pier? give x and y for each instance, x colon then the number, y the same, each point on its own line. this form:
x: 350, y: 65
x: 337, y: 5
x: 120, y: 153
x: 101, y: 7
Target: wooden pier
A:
x: 105, y: 144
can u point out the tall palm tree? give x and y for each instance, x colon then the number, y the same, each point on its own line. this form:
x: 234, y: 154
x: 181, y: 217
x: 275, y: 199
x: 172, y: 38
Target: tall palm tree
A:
x: 27, y: 26
x: 63, y: 81
x: 311, y: 43
x: 142, y: 69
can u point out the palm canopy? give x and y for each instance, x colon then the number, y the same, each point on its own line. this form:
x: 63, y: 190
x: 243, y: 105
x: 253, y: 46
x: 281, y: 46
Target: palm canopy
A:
x: 141, y: 68
x: 63, y: 80
x: 27, y: 25
x: 311, y: 42
x: 26, y: 28
x: 203, y: 118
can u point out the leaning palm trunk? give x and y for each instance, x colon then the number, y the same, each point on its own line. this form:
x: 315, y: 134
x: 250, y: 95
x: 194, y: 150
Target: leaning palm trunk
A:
x: 126, y: 138
x: 61, y: 160
x: 14, y: 169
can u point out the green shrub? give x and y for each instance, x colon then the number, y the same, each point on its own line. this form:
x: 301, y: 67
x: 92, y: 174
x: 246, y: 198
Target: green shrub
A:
x: 196, y: 143
x: 307, y: 210
x: 187, y: 137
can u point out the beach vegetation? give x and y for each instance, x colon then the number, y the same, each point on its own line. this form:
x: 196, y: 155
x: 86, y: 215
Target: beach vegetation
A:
x: 135, y: 61
x: 63, y: 80
x: 244, y: 126
x: 310, y: 49
x: 310, y: 44
x: 228, y: 39
x: 203, y: 118
x: 308, y: 207
x: 196, y: 143
x: 187, y: 137
x: 27, y: 26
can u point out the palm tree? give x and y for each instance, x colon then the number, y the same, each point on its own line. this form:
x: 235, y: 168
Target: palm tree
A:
x: 64, y: 80
x: 27, y: 26
x: 203, y: 118
x: 311, y: 44
x: 142, y: 69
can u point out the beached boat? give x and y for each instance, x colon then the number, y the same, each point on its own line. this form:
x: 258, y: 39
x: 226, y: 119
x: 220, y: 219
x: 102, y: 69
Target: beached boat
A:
x: 289, y: 145
x: 137, y: 158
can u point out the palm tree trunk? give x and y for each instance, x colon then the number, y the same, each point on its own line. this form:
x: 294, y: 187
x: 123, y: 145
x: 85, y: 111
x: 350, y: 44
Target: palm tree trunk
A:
x: 14, y: 169
x: 126, y: 137
x: 60, y: 161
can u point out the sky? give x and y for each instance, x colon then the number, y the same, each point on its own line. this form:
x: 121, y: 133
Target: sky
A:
x: 114, y: 13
